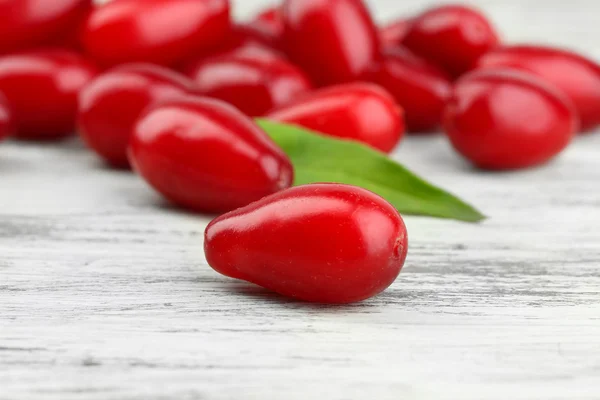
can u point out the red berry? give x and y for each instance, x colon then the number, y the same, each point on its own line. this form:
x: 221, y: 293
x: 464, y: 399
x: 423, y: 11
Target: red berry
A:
x: 247, y: 34
x: 333, y: 41
x: 249, y: 49
x: 111, y: 104
x: 326, y: 243
x: 393, y: 34
x: 156, y: 31
x: 451, y: 36
x: 207, y: 156
x: 420, y: 87
x: 6, y: 118
x: 71, y: 39
x: 357, y: 111
x: 577, y: 76
x: 270, y: 18
x: 502, y: 119
x: 242, y: 37
x: 41, y: 88
x: 32, y: 23
x: 253, y: 80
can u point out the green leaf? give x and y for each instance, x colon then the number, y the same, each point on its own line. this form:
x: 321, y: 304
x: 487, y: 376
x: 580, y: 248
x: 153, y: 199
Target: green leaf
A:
x: 319, y: 158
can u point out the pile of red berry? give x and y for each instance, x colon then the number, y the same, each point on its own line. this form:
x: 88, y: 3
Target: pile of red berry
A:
x: 170, y: 88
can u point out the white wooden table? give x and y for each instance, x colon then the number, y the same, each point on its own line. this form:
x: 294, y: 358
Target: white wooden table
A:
x: 105, y: 293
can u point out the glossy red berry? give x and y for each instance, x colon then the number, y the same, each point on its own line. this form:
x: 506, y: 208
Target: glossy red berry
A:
x: 156, y: 31
x: 6, y: 118
x: 333, y: 41
x: 247, y: 35
x: 270, y: 18
x: 451, y: 36
x: 205, y: 155
x: 244, y: 49
x: 356, y: 111
x: 418, y: 86
x: 252, y: 80
x: 71, y: 39
x: 326, y: 243
x: 502, y: 119
x: 578, y: 77
x: 41, y: 88
x: 111, y: 104
x: 25, y: 24
x: 393, y: 34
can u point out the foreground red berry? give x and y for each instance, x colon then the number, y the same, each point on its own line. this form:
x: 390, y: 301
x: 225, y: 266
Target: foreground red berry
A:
x: 156, y: 31
x: 420, y: 87
x: 451, y: 36
x: 393, y: 34
x: 326, y: 243
x: 356, y: 111
x: 205, y: 155
x: 253, y: 80
x: 25, y: 24
x: 41, y: 88
x: 111, y: 104
x: 333, y: 41
x: 502, y: 119
x: 6, y: 118
x: 577, y: 76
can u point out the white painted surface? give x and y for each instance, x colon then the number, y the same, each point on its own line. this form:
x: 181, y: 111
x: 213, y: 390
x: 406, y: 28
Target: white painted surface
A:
x: 105, y: 294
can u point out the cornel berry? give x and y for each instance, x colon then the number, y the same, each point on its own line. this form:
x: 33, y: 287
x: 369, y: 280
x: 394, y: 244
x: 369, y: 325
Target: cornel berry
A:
x: 242, y: 35
x: 451, y: 36
x: 248, y: 49
x: 578, y: 77
x: 503, y: 119
x: 333, y: 41
x: 6, y: 118
x: 270, y: 18
x: 326, y: 243
x: 393, y: 34
x: 418, y: 86
x: 25, y: 24
x: 355, y: 111
x: 163, y: 32
x: 205, y: 155
x: 41, y: 87
x: 253, y: 80
x: 111, y: 104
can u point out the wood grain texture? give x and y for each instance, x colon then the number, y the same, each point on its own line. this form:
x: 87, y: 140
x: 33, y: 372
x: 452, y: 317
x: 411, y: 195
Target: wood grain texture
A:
x: 105, y: 293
